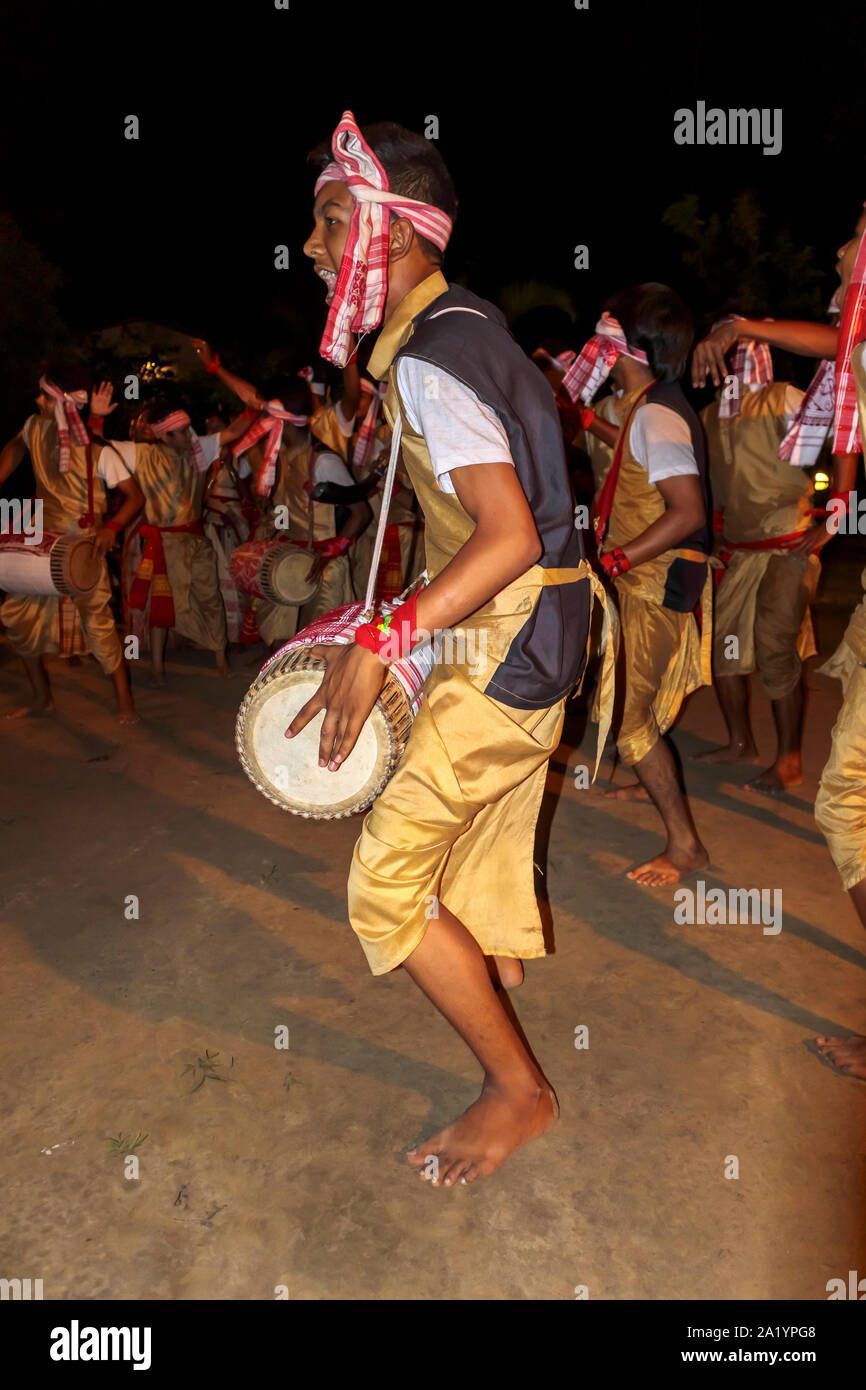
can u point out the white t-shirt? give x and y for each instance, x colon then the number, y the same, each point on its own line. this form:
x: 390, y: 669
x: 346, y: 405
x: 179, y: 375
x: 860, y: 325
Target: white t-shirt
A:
x: 330, y: 468
x: 458, y: 428
x: 210, y: 445
x: 346, y: 424
x: 661, y: 441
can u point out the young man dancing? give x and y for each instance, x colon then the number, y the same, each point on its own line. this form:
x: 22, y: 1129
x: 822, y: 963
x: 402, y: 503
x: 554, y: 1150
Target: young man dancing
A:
x: 652, y: 522
x: 442, y: 874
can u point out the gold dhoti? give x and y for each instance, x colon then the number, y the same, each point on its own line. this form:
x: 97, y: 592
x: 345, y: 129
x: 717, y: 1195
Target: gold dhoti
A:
x: 840, y: 806
x: 456, y: 825
x: 763, y: 602
x: 199, y: 613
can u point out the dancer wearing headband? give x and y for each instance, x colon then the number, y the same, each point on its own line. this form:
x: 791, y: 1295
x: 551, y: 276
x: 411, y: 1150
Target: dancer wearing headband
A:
x: 287, y: 463
x: 71, y: 470
x: 442, y: 874
x: 761, y: 621
x: 652, y: 529
x: 176, y: 584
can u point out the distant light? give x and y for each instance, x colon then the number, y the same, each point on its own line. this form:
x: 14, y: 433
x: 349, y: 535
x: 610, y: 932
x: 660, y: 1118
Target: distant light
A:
x: 821, y: 482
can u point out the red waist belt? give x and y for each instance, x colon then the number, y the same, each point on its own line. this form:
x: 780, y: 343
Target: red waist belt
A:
x: 768, y: 543
x: 151, y: 577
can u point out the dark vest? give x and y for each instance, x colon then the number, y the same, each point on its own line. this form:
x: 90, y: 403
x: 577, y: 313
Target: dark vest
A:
x: 546, y: 658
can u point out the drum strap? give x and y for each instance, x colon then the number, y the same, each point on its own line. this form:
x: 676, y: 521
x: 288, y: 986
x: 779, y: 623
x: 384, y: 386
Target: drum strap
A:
x: 89, y: 518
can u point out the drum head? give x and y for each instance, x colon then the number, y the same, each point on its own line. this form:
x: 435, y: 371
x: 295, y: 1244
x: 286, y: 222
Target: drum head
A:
x: 288, y: 577
x: 287, y: 771
x: 81, y: 566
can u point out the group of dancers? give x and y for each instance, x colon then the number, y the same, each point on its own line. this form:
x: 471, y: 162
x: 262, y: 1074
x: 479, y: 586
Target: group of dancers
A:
x: 698, y: 590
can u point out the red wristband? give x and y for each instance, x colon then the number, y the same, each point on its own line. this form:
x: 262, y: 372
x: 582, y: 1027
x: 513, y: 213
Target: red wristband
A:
x: 213, y: 365
x: 95, y: 423
x: 615, y: 562
x: 393, y: 635
x: 249, y: 412
x: 335, y: 545
x: 586, y: 416
x: 114, y: 526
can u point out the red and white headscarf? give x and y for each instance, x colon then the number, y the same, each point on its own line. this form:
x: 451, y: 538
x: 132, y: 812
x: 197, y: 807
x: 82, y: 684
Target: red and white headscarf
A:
x: 852, y: 330
x: 808, y: 429
x: 362, y: 282
x: 593, y: 363
x: 271, y: 423
x: 751, y: 364
x: 66, y: 406
x: 367, y: 432
x: 179, y: 420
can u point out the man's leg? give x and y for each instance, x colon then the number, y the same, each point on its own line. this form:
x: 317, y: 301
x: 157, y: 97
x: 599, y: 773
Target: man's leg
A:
x: 43, y: 699
x: 684, y: 852
x: 783, y: 597
x: 123, y: 695
x: 516, y: 1103
x: 465, y: 796
x: 158, y: 639
x: 733, y: 696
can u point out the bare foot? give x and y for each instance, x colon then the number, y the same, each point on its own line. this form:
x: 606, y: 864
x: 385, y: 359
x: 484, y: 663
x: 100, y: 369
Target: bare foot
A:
x: 668, y: 867
x: 776, y: 780
x: 847, y: 1055
x: 157, y: 680
x: 506, y: 972
x: 128, y: 716
x: 634, y: 791
x: 485, y: 1134
x: 22, y: 711
x: 224, y: 669
x: 729, y: 753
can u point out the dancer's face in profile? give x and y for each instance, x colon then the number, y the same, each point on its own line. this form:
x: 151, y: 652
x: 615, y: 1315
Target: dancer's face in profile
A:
x: 332, y: 217
x: 847, y: 254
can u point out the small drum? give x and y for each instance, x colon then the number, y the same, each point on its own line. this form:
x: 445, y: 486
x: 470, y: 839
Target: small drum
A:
x: 287, y: 771
x: 274, y: 570
x: 62, y: 564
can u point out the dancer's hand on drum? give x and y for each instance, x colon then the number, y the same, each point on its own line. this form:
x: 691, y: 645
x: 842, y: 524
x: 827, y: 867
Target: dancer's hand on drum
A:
x: 103, y: 540
x: 349, y: 690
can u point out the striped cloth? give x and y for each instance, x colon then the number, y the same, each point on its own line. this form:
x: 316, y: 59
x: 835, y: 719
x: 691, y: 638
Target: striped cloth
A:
x: 852, y: 330
x: 309, y: 376
x: 270, y: 423
x: 66, y: 404
x: 808, y: 429
x: 751, y: 365
x: 362, y: 280
x: 593, y: 363
x: 179, y: 420
x: 367, y: 432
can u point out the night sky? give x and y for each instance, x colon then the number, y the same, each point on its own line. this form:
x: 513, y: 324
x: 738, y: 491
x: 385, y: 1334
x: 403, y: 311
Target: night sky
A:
x: 557, y: 125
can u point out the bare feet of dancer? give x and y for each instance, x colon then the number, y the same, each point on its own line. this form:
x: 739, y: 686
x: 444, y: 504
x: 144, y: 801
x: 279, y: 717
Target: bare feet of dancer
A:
x: 739, y: 752
x: 475, y: 1145
x: 847, y: 1055
x: 633, y: 792
x: 22, y: 711
x: 786, y: 772
x: 669, y: 867
x: 516, y: 1102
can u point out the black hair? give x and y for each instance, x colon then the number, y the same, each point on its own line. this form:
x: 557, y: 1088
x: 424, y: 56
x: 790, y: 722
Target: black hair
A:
x: 414, y: 167
x: 67, y: 374
x: 655, y: 319
x: 294, y: 393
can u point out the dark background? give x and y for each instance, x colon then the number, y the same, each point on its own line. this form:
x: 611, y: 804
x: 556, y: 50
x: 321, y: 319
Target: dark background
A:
x: 557, y: 125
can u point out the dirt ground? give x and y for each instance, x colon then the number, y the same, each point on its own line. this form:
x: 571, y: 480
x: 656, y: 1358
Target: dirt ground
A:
x: 265, y: 1172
